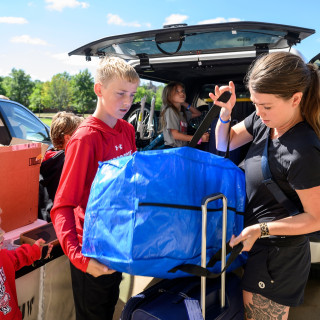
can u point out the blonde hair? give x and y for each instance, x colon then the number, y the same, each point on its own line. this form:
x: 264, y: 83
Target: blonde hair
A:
x: 63, y: 123
x: 113, y: 67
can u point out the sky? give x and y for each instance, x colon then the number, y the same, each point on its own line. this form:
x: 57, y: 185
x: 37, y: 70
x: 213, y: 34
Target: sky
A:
x: 36, y: 35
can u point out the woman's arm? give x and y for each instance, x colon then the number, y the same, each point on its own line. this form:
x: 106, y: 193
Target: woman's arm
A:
x: 306, y: 222
x: 303, y: 223
x: 238, y: 133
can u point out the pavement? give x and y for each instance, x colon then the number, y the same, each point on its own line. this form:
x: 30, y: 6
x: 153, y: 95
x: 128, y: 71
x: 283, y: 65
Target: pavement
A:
x: 310, y: 309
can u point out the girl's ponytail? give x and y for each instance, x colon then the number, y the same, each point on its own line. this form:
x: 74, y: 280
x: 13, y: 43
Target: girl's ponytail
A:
x: 310, y: 103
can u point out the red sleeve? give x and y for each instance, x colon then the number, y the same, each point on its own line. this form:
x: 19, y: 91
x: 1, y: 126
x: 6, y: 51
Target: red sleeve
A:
x: 79, y: 160
x: 133, y: 139
x: 23, y: 256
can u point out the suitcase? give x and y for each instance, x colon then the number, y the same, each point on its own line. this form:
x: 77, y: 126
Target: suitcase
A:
x: 179, y: 299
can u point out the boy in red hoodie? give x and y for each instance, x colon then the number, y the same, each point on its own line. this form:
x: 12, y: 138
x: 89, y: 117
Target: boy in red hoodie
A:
x: 10, y: 262
x: 102, y: 136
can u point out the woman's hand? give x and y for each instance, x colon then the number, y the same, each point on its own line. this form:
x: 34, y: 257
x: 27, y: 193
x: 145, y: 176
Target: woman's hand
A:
x: 97, y: 269
x: 248, y: 237
x: 226, y: 108
x: 45, y: 250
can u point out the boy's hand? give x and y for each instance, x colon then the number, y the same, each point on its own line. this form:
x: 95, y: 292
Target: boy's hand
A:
x: 97, y: 269
x: 45, y: 249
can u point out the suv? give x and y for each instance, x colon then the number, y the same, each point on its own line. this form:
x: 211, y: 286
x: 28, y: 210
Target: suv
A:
x: 16, y: 121
x: 199, y: 56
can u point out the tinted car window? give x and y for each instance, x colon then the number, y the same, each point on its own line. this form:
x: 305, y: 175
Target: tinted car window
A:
x: 4, y: 134
x: 23, y: 124
x: 197, y: 41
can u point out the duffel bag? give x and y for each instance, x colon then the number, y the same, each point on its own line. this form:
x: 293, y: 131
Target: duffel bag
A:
x: 144, y: 211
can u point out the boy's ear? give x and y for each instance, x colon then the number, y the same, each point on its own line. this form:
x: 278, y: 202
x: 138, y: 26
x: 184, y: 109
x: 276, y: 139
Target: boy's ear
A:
x: 97, y: 89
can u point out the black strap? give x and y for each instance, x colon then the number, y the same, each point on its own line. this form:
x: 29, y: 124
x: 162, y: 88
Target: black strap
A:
x: 206, y: 122
x: 170, y: 53
x: 272, y: 185
x: 183, y: 207
x: 204, y: 272
x: 227, y: 154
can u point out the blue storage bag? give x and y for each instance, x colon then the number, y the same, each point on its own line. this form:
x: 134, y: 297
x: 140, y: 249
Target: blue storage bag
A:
x: 144, y: 211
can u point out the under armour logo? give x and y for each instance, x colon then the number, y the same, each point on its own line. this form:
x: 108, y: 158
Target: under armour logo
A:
x: 119, y: 147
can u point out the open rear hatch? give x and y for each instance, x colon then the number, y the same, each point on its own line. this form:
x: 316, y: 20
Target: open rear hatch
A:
x: 165, y: 54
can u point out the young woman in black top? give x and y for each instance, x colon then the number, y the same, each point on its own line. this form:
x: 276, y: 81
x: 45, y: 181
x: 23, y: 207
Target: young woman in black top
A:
x: 286, y: 94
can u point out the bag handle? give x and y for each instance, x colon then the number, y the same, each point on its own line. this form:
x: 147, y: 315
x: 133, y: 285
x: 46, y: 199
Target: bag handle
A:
x: 204, y: 272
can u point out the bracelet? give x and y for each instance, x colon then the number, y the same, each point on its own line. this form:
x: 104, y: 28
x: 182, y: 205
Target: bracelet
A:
x: 189, y: 106
x: 223, y: 120
x: 264, y: 230
x: 200, y: 141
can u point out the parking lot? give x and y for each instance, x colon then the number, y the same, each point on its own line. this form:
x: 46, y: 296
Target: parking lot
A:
x: 310, y: 309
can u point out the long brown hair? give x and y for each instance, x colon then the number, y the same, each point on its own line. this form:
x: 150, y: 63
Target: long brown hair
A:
x: 166, y: 102
x: 284, y: 74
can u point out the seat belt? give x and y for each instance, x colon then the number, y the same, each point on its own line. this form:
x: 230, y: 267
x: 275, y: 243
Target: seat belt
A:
x: 272, y: 186
x: 206, y: 122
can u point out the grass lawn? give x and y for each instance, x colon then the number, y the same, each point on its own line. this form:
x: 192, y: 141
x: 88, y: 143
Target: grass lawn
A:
x: 47, y: 117
x: 46, y: 121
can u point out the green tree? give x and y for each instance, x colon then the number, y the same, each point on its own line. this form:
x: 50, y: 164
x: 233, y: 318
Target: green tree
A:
x: 46, y: 99
x: 141, y: 92
x: 158, y: 103
x: 2, y: 90
x: 60, y: 91
x: 35, y: 97
x: 144, y: 91
x: 83, y: 96
x: 18, y: 86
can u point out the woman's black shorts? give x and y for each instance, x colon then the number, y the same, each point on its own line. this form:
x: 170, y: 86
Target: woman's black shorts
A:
x: 278, y: 269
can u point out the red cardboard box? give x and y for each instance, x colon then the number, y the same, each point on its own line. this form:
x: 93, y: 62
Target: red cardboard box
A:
x: 19, y: 184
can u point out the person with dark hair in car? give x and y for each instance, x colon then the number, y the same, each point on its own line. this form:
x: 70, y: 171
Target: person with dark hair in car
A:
x: 286, y: 94
x: 175, y: 115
